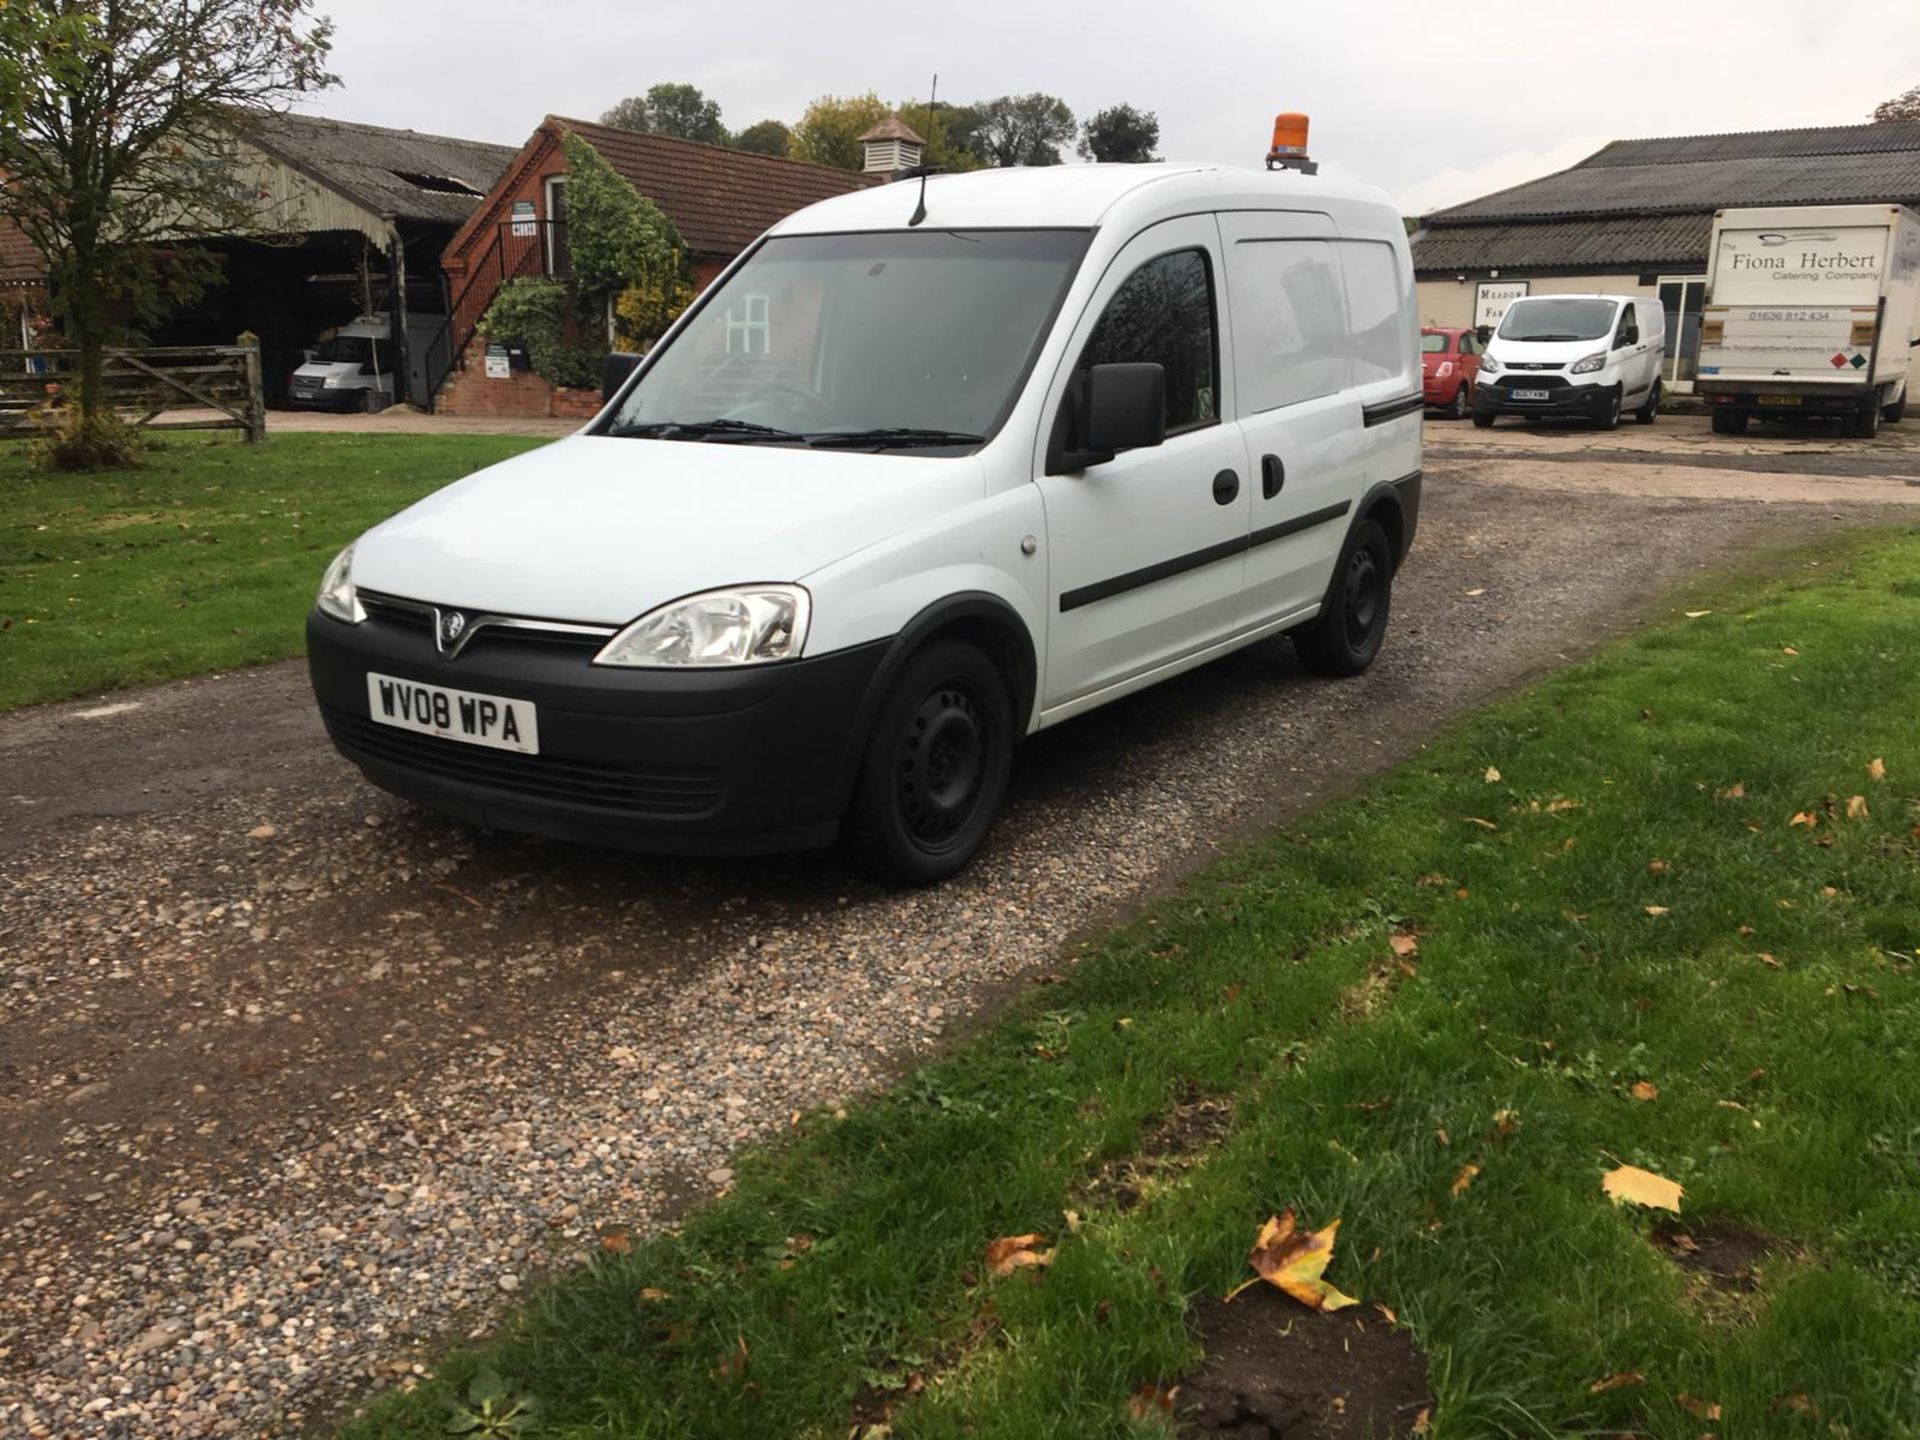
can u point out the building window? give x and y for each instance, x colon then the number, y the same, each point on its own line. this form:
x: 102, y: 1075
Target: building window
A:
x: 555, y: 188
x: 749, y: 331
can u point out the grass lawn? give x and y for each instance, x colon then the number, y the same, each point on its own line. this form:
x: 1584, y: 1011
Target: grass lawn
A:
x: 206, y: 558
x: 1624, y: 950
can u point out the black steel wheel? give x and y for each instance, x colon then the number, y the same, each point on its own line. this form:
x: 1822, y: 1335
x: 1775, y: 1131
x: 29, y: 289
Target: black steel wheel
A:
x: 1347, y: 633
x: 1610, y: 417
x: 936, y: 766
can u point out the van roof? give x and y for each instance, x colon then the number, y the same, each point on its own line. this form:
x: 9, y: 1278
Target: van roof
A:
x: 1069, y: 196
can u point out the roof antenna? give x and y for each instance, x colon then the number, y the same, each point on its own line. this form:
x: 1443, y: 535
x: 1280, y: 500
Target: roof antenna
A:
x: 920, y: 209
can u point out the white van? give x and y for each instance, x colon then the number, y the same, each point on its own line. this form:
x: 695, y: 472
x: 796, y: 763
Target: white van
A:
x: 351, y: 370
x: 1586, y: 356
x: 894, y: 493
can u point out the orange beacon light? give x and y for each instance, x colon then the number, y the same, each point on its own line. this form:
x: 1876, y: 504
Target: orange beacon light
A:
x: 1289, y: 149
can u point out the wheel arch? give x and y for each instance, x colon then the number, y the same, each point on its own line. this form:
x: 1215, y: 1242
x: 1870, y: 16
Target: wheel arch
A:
x: 1387, y: 507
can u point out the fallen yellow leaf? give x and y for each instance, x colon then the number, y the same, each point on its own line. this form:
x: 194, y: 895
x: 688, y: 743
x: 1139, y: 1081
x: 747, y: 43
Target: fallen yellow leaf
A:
x: 1735, y: 791
x: 1480, y: 591
x: 1483, y: 824
x: 1493, y: 776
x: 1656, y: 867
x: 1788, y: 650
x: 1405, y: 945
x: 1463, y: 1179
x: 1014, y: 1252
x: 1295, y: 1262
x: 1555, y: 806
x: 1386, y: 1314
x: 651, y: 1294
x: 1696, y: 614
x: 1644, y: 1090
x: 1631, y: 1184
x: 1149, y: 1400
x: 1876, y: 769
x: 1423, y: 1422
x: 1616, y: 1382
x: 1656, y: 910
x: 1803, y: 817
x: 1856, y: 807
x: 1505, y: 1122
x: 1768, y: 961
x: 1695, y: 1406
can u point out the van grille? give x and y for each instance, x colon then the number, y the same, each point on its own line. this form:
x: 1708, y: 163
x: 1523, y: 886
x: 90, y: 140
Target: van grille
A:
x: 676, y: 792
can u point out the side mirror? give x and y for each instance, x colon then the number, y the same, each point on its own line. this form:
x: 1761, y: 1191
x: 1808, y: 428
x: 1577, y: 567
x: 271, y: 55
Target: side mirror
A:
x: 1109, y: 408
x: 614, y: 371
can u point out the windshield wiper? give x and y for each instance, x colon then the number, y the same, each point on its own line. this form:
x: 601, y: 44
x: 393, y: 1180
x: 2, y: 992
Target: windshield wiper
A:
x: 1550, y: 337
x: 894, y: 436
x: 717, y: 429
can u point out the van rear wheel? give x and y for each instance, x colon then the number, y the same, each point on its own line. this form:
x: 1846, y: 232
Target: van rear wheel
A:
x: 1648, y: 412
x: 1729, y: 422
x: 1345, y: 636
x: 936, y: 767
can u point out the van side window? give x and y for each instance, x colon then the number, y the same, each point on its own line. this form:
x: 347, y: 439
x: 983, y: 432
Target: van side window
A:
x: 1290, y: 323
x: 1163, y: 315
x: 1628, y: 333
x: 1380, y: 304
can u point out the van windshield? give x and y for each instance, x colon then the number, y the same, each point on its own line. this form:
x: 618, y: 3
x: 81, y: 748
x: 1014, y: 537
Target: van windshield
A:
x: 1558, y: 318
x: 345, y: 350
x: 886, y: 340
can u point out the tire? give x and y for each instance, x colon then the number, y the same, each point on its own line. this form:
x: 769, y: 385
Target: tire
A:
x: 1483, y: 420
x: 1650, y: 411
x: 1866, y: 423
x: 1462, y: 403
x: 1729, y: 422
x: 1611, y: 419
x: 1896, y: 412
x: 1347, y: 633
x: 363, y: 403
x: 936, y: 767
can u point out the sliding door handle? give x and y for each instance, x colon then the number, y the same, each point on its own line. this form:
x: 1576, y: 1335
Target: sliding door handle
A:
x: 1272, y: 476
x: 1226, y: 487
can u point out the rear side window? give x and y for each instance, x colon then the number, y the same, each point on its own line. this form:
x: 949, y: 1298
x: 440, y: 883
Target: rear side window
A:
x: 1290, y: 323
x: 1163, y: 314
x: 1380, y: 306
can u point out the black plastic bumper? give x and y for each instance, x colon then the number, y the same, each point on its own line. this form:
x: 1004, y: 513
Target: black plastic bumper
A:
x: 1409, y: 488
x: 1574, y: 402
x: 723, y: 762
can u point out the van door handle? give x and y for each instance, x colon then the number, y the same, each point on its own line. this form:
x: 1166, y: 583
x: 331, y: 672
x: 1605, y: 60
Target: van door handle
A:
x: 1272, y: 476
x: 1226, y: 486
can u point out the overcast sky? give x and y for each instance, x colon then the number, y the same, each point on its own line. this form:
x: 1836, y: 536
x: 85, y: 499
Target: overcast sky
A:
x: 1434, y: 103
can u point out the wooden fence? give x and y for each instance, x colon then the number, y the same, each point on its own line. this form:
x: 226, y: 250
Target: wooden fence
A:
x: 143, y: 386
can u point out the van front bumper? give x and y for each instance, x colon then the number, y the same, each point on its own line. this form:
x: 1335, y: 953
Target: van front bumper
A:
x: 736, y: 761
x: 1563, y: 398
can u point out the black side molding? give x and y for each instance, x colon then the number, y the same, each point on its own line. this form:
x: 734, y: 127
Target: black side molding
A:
x: 1270, y: 533
x: 1194, y: 559
x: 1382, y: 411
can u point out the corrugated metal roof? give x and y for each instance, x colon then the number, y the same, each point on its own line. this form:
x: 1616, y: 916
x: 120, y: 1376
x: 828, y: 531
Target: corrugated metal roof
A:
x: 719, y: 199
x: 403, y: 173
x: 1629, y: 242
x: 1702, y: 173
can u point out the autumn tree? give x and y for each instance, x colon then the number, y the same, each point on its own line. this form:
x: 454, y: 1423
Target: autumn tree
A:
x: 670, y: 108
x: 767, y: 137
x: 1122, y: 135
x: 949, y: 131
x: 1023, y: 130
x: 1900, y: 107
x: 128, y: 115
x: 829, y: 133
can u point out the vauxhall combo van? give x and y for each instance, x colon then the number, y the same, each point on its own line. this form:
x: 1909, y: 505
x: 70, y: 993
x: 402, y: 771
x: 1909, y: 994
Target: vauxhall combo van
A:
x: 931, y: 467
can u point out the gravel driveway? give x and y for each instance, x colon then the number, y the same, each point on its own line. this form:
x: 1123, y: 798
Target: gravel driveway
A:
x: 299, y: 1080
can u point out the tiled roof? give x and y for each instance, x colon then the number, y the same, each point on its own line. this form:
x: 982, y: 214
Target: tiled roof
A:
x: 402, y: 173
x: 893, y: 128
x: 1630, y: 242
x: 1701, y: 173
x: 719, y: 199
x: 19, y: 261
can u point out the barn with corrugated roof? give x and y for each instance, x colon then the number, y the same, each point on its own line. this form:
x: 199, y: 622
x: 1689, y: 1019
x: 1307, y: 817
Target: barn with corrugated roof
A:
x: 1635, y: 218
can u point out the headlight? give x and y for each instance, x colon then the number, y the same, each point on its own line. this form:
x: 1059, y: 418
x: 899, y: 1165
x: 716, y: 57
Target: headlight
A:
x: 337, y: 595
x: 741, y: 625
x: 1588, y: 365
x: 334, y: 382
x: 1488, y: 364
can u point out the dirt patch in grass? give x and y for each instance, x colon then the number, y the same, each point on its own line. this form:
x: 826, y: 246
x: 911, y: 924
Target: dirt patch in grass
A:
x: 1277, y: 1371
x: 1721, y: 1264
x: 1196, y: 1123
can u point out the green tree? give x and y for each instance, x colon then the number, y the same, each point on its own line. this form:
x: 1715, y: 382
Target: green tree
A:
x: 1900, y: 107
x: 1121, y: 135
x: 829, y: 133
x: 671, y: 109
x: 1023, y: 130
x: 127, y: 121
x: 948, y: 131
x: 768, y: 137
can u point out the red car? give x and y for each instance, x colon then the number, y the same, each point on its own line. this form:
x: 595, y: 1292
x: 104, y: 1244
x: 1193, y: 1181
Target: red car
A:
x: 1450, y: 360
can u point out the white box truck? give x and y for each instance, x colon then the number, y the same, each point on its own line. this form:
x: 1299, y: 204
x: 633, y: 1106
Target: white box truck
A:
x: 1811, y: 312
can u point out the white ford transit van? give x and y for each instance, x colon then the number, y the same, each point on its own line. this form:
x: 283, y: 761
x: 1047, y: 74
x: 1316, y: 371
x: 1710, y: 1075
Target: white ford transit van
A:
x: 351, y: 371
x: 899, y: 489
x: 1585, y: 356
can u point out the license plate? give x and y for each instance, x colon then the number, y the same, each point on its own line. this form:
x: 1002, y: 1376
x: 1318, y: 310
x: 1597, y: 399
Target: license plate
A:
x: 1528, y: 394
x: 1779, y: 399
x: 473, y: 719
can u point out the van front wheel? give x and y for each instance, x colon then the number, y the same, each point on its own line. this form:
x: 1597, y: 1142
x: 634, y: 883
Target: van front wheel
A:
x: 1345, y: 636
x: 936, y: 767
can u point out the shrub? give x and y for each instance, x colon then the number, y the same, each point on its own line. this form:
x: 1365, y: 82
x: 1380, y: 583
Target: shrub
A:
x: 69, y: 442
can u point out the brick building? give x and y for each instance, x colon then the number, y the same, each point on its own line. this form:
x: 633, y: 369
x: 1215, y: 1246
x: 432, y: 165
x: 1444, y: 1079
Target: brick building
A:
x: 23, y: 289
x: 719, y: 199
